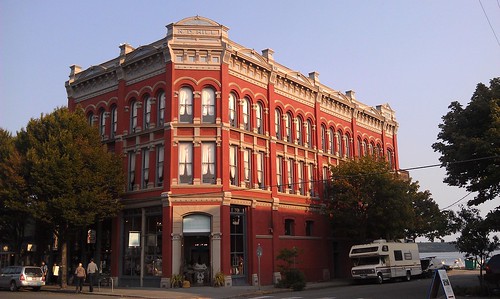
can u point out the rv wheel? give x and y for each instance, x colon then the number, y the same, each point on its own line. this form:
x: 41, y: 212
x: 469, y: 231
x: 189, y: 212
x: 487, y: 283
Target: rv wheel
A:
x: 408, y: 275
x: 380, y: 278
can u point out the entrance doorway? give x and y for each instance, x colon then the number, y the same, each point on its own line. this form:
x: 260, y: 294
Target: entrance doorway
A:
x: 197, y: 259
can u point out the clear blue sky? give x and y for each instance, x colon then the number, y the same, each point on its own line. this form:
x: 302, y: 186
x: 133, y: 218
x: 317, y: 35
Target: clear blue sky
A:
x: 418, y: 56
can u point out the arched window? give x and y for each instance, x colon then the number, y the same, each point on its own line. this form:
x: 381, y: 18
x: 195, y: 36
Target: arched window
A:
x: 233, y: 113
x: 288, y: 127
x: 323, y: 138
x: 371, y: 149
x: 246, y: 114
x: 133, y: 116
x: 365, y: 147
x: 340, y: 142
x: 309, y: 134
x: 348, y: 146
x: 360, y: 149
x: 258, y: 118
x: 161, y: 108
x: 299, y: 131
x: 390, y: 158
x: 277, y: 123
x: 90, y: 118
x: 208, y: 105
x: 114, y: 121
x: 102, y: 122
x: 186, y: 105
x: 147, y: 112
x: 330, y: 141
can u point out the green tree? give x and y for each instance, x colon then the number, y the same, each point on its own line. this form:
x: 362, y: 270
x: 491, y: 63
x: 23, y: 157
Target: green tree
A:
x: 12, y: 187
x: 469, y: 143
x: 476, y: 239
x: 72, y: 180
x: 366, y: 200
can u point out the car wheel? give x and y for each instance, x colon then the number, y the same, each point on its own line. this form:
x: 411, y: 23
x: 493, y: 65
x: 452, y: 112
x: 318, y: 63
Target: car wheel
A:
x: 408, y: 275
x: 13, y: 286
x: 380, y: 278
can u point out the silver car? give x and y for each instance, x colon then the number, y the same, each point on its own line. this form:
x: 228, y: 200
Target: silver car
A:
x: 15, y: 277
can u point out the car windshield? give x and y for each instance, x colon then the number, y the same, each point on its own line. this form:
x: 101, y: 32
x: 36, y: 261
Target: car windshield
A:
x: 373, y: 260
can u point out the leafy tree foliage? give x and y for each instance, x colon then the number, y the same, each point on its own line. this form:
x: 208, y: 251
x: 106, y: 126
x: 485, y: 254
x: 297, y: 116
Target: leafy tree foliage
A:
x: 72, y: 180
x: 469, y: 143
x: 476, y: 240
x: 366, y: 201
x: 12, y: 186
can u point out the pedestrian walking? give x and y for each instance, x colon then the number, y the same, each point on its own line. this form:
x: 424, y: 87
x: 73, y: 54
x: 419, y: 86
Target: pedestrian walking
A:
x: 45, y: 270
x: 80, y: 277
x: 55, y: 274
x: 91, y: 272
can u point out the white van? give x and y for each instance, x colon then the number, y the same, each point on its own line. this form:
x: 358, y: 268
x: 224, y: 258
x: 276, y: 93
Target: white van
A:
x: 382, y: 260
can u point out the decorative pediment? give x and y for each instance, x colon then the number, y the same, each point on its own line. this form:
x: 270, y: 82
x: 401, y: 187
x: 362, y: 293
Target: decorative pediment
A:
x: 92, y: 72
x: 197, y: 21
x: 298, y: 77
x: 140, y: 52
x: 251, y: 55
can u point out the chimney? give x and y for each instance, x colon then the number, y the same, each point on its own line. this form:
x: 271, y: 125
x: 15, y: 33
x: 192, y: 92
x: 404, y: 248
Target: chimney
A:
x: 351, y: 94
x: 314, y: 76
x: 75, y: 69
x: 268, y: 54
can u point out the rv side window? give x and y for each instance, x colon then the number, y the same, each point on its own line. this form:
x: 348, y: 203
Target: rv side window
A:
x: 407, y: 255
x: 398, y: 255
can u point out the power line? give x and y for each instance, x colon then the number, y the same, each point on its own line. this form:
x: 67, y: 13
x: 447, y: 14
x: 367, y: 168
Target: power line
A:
x: 445, y: 208
x: 484, y: 11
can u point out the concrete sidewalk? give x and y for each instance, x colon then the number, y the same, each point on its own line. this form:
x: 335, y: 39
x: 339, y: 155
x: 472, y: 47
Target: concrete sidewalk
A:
x: 461, y: 278
x: 192, y: 292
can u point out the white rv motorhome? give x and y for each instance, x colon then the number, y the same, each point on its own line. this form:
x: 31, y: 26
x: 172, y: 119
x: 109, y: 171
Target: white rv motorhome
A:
x: 382, y: 260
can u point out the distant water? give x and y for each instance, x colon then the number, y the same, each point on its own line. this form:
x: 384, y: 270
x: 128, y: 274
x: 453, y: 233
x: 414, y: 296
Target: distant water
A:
x: 452, y: 258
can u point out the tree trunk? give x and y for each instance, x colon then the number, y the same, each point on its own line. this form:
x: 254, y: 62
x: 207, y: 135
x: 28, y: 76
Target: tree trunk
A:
x: 64, y: 263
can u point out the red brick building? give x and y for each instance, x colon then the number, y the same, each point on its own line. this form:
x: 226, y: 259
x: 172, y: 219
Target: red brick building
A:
x: 225, y: 151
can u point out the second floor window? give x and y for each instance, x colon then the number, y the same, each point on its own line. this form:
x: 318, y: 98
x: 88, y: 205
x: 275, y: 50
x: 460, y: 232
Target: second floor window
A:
x: 185, y: 162
x: 160, y: 156
x: 208, y: 105
x: 133, y: 116
x: 289, y: 227
x: 347, y: 146
x: 246, y: 114
x: 288, y: 127
x: 290, y: 178
x: 299, y: 128
x: 131, y: 171
x: 233, y: 112
x: 323, y: 138
x: 330, y: 142
x: 161, y: 108
x: 147, y: 112
x: 90, y: 119
x: 277, y: 124
x: 279, y: 174
x: 260, y: 170
x: 145, y: 168
x: 233, y: 165
x: 258, y: 116
x: 114, y: 121
x: 247, y: 167
x: 102, y: 123
x: 186, y: 105
x: 300, y: 176
x: 208, y: 162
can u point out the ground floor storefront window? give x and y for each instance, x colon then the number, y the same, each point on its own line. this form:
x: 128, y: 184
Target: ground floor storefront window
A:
x: 238, y: 245
x: 142, y: 244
